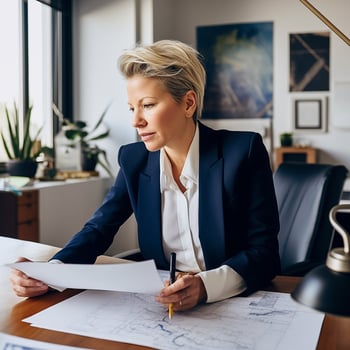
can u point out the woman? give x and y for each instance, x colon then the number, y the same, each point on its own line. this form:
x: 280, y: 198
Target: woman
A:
x: 206, y: 195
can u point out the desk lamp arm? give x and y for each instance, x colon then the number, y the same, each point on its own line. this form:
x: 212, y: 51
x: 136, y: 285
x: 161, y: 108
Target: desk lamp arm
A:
x: 338, y: 259
x: 344, y: 234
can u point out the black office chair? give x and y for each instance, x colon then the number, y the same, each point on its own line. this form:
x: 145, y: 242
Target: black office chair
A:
x: 305, y: 194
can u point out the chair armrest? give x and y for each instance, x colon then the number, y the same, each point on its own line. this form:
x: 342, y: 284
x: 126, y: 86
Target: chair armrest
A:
x: 133, y: 254
x: 302, y: 268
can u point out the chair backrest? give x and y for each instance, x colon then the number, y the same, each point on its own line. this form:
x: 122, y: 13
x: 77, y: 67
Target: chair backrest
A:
x: 305, y: 194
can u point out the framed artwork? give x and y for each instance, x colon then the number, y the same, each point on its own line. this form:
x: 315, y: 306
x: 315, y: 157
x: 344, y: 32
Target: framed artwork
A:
x: 239, y: 62
x: 310, y: 115
x: 309, y: 62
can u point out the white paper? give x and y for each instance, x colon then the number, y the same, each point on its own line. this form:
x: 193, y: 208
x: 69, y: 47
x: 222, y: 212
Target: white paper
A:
x: 138, y: 277
x: 10, y: 342
x: 262, y: 321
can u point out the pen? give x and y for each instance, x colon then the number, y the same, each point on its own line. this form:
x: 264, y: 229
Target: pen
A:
x: 172, y: 280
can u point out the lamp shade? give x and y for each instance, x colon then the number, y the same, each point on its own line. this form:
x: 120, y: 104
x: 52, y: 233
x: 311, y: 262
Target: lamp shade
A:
x: 327, y: 287
x: 325, y: 290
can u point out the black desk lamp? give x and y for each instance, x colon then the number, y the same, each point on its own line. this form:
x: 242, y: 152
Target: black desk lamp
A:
x: 327, y: 287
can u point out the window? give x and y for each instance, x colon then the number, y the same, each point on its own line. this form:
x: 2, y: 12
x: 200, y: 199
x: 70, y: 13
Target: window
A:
x: 9, y: 58
x: 36, y: 60
x: 40, y: 68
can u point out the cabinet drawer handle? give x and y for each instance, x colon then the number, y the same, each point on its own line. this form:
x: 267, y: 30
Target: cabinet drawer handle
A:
x: 29, y: 222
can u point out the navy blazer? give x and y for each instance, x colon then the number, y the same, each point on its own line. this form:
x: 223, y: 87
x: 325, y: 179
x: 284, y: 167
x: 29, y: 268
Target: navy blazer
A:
x: 238, y: 214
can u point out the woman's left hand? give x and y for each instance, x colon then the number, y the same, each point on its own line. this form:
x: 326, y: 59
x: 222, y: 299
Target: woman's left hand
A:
x: 185, y: 293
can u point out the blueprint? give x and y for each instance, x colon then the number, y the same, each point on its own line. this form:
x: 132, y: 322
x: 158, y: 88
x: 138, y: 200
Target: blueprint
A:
x: 262, y: 321
x: 10, y: 342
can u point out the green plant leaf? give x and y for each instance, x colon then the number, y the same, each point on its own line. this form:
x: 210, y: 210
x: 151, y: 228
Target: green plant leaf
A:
x: 100, y: 120
x: 73, y: 134
x: 13, y: 131
x: 7, y: 150
x: 19, y: 146
x: 27, y: 141
x: 17, y: 138
x: 80, y: 124
x: 99, y: 136
x: 76, y: 131
x: 105, y: 163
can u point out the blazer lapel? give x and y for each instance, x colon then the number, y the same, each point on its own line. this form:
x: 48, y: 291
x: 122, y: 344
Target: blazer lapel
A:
x: 211, y: 211
x: 149, y: 215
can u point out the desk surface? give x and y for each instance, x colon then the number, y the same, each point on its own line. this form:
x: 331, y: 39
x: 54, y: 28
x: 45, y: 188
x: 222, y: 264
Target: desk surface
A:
x: 335, y: 332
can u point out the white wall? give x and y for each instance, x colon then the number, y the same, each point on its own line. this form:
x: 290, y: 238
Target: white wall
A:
x: 103, y: 28
x: 288, y: 17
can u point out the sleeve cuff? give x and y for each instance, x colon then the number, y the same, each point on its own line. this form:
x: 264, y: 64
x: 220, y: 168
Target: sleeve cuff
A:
x: 222, y: 283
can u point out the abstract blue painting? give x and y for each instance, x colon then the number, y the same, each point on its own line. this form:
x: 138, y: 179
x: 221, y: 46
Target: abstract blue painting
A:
x: 239, y: 62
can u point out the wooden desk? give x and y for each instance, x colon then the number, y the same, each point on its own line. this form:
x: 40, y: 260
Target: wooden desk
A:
x: 335, y: 334
x: 335, y: 331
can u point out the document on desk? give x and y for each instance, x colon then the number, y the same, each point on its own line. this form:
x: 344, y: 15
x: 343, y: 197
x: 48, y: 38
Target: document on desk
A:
x: 262, y: 321
x: 10, y: 342
x: 138, y: 277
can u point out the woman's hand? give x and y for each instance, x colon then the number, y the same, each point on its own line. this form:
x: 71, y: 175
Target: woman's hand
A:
x: 187, y: 292
x: 25, y: 286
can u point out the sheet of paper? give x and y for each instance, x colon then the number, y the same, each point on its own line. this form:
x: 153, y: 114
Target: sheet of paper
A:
x: 262, y: 321
x: 140, y: 277
x: 10, y: 342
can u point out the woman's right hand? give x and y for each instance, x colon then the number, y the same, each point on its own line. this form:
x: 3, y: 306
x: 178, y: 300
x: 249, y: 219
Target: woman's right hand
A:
x: 25, y: 286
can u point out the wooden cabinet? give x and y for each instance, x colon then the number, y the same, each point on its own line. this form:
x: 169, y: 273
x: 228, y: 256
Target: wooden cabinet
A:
x: 50, y: 212
x: 19, y: 215
x: 295, y: 154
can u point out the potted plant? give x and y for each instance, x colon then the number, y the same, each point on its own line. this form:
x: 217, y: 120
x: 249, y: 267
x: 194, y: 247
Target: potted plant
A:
x: 286, y: 139
x: 19, y: 146
x: 78, y: 131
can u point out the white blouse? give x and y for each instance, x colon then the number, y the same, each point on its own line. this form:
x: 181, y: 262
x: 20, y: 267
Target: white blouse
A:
x: 180, y: 227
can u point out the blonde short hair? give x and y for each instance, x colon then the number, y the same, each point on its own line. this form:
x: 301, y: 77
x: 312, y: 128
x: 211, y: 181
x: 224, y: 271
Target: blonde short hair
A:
x: 176, y: 64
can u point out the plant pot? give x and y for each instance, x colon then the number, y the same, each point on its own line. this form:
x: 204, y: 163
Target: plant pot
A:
x: 89, y: 162
x: 26, y: 168
x: 286, y: 140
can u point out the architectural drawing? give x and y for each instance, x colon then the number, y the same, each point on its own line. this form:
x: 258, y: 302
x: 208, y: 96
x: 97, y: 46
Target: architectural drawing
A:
x: 264, y: 320
x: 11, y: 342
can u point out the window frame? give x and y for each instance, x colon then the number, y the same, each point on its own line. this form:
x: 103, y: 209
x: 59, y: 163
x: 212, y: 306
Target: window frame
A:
x: 62, y: 65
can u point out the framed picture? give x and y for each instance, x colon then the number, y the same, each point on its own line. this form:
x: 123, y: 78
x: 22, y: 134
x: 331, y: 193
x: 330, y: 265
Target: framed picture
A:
x: 238, y: 59
x: 309, y: 62
x: 310, y: 114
